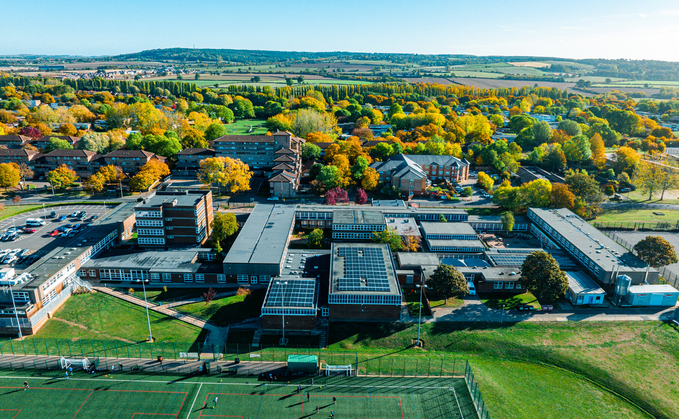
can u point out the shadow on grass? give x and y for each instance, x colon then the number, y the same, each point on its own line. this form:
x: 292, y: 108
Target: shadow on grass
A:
x: 223, y: 314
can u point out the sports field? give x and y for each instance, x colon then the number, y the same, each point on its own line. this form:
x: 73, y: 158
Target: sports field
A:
x: 128, y: 395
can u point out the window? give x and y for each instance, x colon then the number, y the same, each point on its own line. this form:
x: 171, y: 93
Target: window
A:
x: 221, y: 278
x: 409, y: 279
x: 242, y: 279
x: 200, y: 278
x: 188, y: 277
x: 93, y: 273
x: 509, y: 286
x: 82, y: 272
x: 325, y: 311
x: 167, y: 277
x: 155, y: 276
x: 497, y: 285
x: 150, y: 240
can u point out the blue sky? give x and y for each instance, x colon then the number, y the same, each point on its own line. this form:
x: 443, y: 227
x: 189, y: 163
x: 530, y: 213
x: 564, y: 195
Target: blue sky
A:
x: 571, y: 29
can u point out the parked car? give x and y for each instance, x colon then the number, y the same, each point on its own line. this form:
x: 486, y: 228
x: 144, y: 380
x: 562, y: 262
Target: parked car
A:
x: 472, y: 288
x: 13, y: 229
x: 525, y: 307
x: 75, y: 214
x: 54, y: 233
x: 29, y: 230
x: 76, y: 227
x: 625, y: 190
x: 62, y: 218
x: 53, y: 214
x: 272, y: 198
x: 93, y: 217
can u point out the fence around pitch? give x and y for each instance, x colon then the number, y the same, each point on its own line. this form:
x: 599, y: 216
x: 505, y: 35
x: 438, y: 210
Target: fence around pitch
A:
x: 473, y: 387
x: 631, y: 225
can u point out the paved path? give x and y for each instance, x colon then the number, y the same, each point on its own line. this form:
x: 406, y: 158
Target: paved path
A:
x: 474, y: 310
x: 196, y: 300
x: 217, y: 334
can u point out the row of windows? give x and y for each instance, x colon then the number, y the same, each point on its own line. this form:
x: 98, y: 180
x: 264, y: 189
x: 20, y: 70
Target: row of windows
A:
x: 123, y: 275
x: 289, y: 311
x: 151, y: 214
x: 498, y: 285
x: 150, y: 240
x: 358, y: 227
x: 338, y: 235
x: 452, y: 236
x: 456, y: 249
x: 364, y: 299
x: 49, y: 297
x: 150, y: 232
x: 149, y: 223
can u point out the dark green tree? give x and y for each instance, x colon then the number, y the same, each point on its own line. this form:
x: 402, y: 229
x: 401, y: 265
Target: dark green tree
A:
x: 315, y: 240
x: 656, y: 251
x: 540, y: 274
x: 447, y: 282
x: 390, y: 237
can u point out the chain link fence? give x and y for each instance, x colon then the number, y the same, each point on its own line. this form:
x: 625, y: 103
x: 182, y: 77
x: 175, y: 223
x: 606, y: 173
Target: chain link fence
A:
x: 631, y: 225
x: 672, y: 278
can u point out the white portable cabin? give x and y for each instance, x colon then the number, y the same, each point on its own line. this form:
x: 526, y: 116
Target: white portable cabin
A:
x: 661, y: 295
x: 583, y: 290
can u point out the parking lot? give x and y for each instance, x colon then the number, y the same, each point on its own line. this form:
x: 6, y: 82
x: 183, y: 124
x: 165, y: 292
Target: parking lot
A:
x: 40, y: 242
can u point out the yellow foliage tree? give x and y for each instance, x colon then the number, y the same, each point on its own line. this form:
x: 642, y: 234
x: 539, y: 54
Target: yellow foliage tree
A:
x: 62, y: 177
x: 596, y: 144
x: 225, y: 171
x: 370, y: 179
x: 10, y: 175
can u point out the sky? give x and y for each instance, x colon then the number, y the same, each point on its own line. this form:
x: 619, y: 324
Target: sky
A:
x: 611, y: 29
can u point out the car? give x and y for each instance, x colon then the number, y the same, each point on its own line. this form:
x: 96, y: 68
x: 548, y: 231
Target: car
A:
x: 94, y: 217
x: 472, y: 288
x: 525, y: 307
x: 5, y: 237
x: 625, y: 190
x: 75, y: 214
x: 62, y: 218
x: 13, y: 237
x: 29, y: 230
x: 272, y: 198
x: 76, y: 226
x: 13, y: 229
x: 53, y: 214
x: 54, y: 233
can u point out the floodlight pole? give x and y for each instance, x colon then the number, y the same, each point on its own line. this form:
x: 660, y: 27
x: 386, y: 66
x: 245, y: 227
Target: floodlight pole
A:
x: 283, y: 342
x: 419, y: 318
x: 146, y: 303
x: 15, y: 311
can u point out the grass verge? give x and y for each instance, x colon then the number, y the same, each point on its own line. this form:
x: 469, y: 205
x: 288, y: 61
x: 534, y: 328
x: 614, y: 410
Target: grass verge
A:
x: 496, y: 301
x: 226, y: 310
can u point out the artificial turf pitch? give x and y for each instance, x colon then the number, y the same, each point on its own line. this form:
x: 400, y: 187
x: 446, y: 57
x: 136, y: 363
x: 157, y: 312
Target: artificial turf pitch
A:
x: 128, y: 395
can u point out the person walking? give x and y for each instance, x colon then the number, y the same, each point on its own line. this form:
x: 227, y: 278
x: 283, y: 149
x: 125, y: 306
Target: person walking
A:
x: 25, y: 385
x: 334, y: 400
x: 332, y: 413
x: 215, y: 402
x: 307, y: 396
x: 299, y: 389
x: 317, y: 409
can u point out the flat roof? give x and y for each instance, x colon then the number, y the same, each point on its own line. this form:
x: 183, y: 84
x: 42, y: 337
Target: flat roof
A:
x: 457, y: 243
x: 393, y: 203
x: 362, y: 268
x: 291, y: 293
x: 370, y: 217
x: 414, y: 259
x: 183, y: 199
x: 597, y: 246
x: 404, y: 226
x: 179, y: 260
x: 580, y: 283
x: 447, y: 228
x: 263, y: 238
x: 518, y: 219
x: 516, y: 257
x: 493, y: 273
x: 666, y: 288
x: 384, y: 210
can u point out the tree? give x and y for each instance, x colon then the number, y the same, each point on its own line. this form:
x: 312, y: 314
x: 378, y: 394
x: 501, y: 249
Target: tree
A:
x: 10, y: 175
x: 571, y: 127
x: 26, y: 172
x: 561, y: 196
x: 148, y: 174
x: 577, y: 149
x: 361, y: 197
x: 329, y: 177
x: 223, y: 226
x: 555, y: 159
x: 315, y: 240
x: 381, y: 151
x: 609, y: 190
x: 94, y: 141
x: 162, y: 145
x: 209, y: 295
x: 94, y: 183
x: 626, y: 159
x: 55, y: 143
x: 656, y: 251
x: 484, y: 181
x: 62, y: 177
x: 447, y: 282
x: 584, y: 186
x: 335, y: 196
x: 411, y: 243
x: 310, y: 151
x: 215, y: 131
x: 370, y: 179
x: 540, y: 274
x: 542, y: 132
x: 142, y: 181
x: 16, y: 199
x: 194, y: 138
x: 507, y: 219
x: 310, y: 120
x: 598, y: 151
x: 467, y: 191
x: 389, y: 236
x: 225, y: 171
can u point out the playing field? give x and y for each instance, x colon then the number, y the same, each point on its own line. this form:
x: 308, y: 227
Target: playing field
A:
x: 126, y: 396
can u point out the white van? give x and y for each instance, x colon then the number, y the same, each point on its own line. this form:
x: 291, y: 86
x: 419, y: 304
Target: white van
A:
x: 35, y: 222
x: 472, y: 288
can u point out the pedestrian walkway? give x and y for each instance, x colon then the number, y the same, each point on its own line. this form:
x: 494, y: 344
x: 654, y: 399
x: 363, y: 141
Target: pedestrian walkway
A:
x: 474, y: 310
x: 217, y: 335
x: 178, y: 303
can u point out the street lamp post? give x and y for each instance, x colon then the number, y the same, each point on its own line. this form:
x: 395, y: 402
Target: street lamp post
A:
x: 419, y: 318
x: 52, y: 185
x: 283, y: 342
x: 502, y: 316
x: 148, y: 319
x: 15, y: 311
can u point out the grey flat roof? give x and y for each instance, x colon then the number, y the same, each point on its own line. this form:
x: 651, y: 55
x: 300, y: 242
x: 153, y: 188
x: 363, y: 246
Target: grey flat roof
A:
x: 414, y: 259
x: 393, y: 203
x: 384, y: 210
x: 580, y: 283
x: 339, y: 268
x: 666, y: 288
x: 518, y: 219
x: 457, y: 243
x: 183, y: 199
x: 404, y: 226
x: 370, y: 217
x: 597, y: 246
x: 263, y: 238
x: 447, y: 228
x: 153, y: 260
x: 495, y: 273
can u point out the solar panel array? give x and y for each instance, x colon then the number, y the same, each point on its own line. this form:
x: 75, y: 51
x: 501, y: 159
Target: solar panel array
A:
x: 509, y: 259
x: 292, y: 293
x: 364, y: 269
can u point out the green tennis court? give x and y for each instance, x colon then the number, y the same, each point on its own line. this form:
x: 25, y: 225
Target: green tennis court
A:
x: 128, y: 395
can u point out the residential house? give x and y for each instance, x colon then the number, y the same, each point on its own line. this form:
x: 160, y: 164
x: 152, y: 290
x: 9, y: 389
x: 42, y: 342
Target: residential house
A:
x: 14, y: 141
x: 18, y: 156
x: 83, y: 162
x: 130, y: 160
x: 43, y: 142
x: 188, y: 160
x: 413, y: 173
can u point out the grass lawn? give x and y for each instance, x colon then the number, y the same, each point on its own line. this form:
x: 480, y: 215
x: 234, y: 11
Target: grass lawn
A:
x: 552, y: 370
x: 241, y: 127
x: 412, y: 298
x: 160, y: 296
x: 10, y: 211
x: 451, y: 302
x: 638, y: 196
x: 497, y: 300
x: 637, y: 216
x: 229, y: 309
x: 99, y: 316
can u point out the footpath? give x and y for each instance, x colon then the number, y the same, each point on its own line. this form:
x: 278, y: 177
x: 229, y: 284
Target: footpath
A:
x: 217, y: 335
x: 473, y: 310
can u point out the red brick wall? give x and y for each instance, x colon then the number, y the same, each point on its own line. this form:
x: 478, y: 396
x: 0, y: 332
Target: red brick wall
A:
x: 271, y: 322
x: 364, y: 312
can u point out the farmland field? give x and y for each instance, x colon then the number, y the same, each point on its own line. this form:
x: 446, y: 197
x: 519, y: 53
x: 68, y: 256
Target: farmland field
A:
x: 494, y: 83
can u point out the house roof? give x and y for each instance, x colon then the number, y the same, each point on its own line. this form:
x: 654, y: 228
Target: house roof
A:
x: 283, y: 166
x: 14, y: 138
x: 130, y: 153
x: 46, y: 138
x: 196, y: 151
x: 283, y: 176
x: 17, y: 152
x: 400, y: 165
x: 71, y: 153
x: 284, y: 150
x: 284, y: 158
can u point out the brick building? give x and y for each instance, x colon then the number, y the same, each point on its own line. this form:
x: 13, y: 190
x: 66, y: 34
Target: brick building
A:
x: 188, y: 160
x: 174, y: 219
x: 130, y: 160
x: 18, y: 156
x: 412, y: 173
x: 292, y: 299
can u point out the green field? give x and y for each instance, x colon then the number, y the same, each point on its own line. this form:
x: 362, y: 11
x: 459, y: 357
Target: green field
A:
x: 550, y: 370
x: 637, y: 216
x: 98, y: 316
x: 16, y: 209
x: 242, y: 126
x: 127, y: 396
x: 225, y: 310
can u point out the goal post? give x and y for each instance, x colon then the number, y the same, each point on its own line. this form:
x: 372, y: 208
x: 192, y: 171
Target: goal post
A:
x: 66, y: 363
x: 347, y: 370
